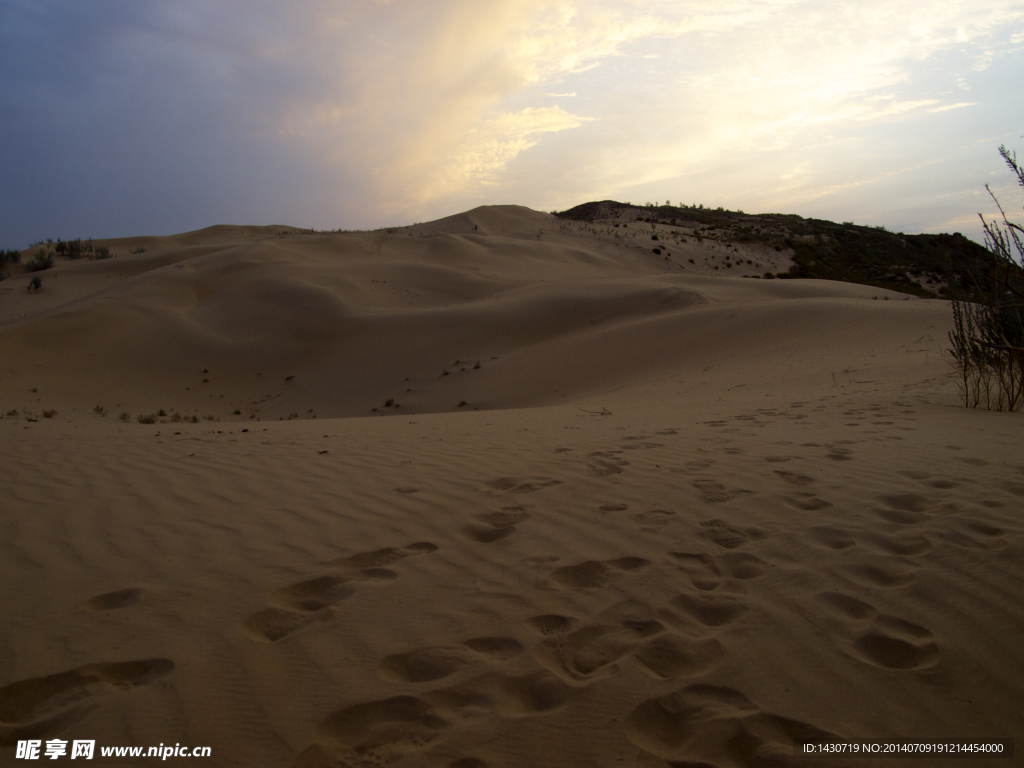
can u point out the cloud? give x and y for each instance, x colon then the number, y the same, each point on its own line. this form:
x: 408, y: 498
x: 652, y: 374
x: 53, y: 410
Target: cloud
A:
x: 959, y: 105
x: 356, y: 112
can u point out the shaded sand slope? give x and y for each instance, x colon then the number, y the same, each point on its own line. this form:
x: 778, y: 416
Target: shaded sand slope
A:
x: 783, y: 525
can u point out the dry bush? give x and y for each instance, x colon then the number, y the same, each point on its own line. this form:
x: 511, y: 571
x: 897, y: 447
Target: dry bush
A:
x: 987, y: 340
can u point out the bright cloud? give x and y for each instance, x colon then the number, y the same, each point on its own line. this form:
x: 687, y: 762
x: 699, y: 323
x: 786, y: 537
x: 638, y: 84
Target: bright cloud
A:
x: 364, y: 112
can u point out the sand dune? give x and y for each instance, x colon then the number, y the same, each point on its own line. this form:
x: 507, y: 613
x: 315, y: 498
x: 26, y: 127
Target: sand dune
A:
x: 622, y: 510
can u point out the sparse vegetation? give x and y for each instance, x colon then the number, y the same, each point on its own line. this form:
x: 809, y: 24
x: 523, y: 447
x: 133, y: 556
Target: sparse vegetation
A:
x: 987, y: 340
x: 99, y: 410
x: 924, y: 265
x: 125, y: 417
x: 147, y: 419
x: 76, y: 249
x: 43, y: 259
x: 8, y: 257
x: 49, y: 414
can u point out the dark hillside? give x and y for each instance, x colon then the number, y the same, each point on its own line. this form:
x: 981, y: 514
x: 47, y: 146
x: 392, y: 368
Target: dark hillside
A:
x: 925, y: 265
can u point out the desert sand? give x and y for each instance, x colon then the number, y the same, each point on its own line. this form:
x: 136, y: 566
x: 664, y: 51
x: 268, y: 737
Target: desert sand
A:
x: 495, y: 491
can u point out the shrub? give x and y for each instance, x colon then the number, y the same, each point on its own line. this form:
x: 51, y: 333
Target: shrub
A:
x: 125, y: 417
x: 76, y: 249
x: 42, y: 260
x: 149, y: 419
x: 49, y: 414
x: 8, y: 257
x: 35, y: 284
x: 987, y: 340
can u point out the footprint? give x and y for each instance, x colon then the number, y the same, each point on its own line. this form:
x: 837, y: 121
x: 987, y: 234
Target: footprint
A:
x: 702, y: 569
x: 907, y: 502
x: 423, y: 665
x: 429, y: 664
x: 807, y: 502
x: 887, y: 576
x: 667, y: 432
x: 726, y: 536
x: 406, y: 489
x: 540, y: 562
x: 39, y: 707
x: 654, y: 520
x: 495, y: 648
x: 907, y: 545
x: 613, y: 507
x: 972, y: 462
x: 522, y: 485
x: 716, y: 493
x: 386, y: 556
x: 303, y: 603
x: 707, y: 610
x: 273, y: 624
x: 493, y: 526
x: 672, y: 657
x: 900, y: 516
x: 914, y: 474
x: 605, y: 467
x: 551, y: 624
x: 590, y: 653
x: 696, y: 466
x: 382, y: 730
x: 110, y: 601
x: 835, y: 456
x: 794, y: 478
x: 829, y: 537
x: 1017, y: 489
x: 969, y: 534
x: 704, y: 726
x: 741, y: 565
x: 874, y: 638
x: 595, y: 573
x: 313, y: 594
x: 519, y: 696
x: 777, y: 459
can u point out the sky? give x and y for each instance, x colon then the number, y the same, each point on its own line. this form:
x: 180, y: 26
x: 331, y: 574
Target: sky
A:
x: 121, y: 118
